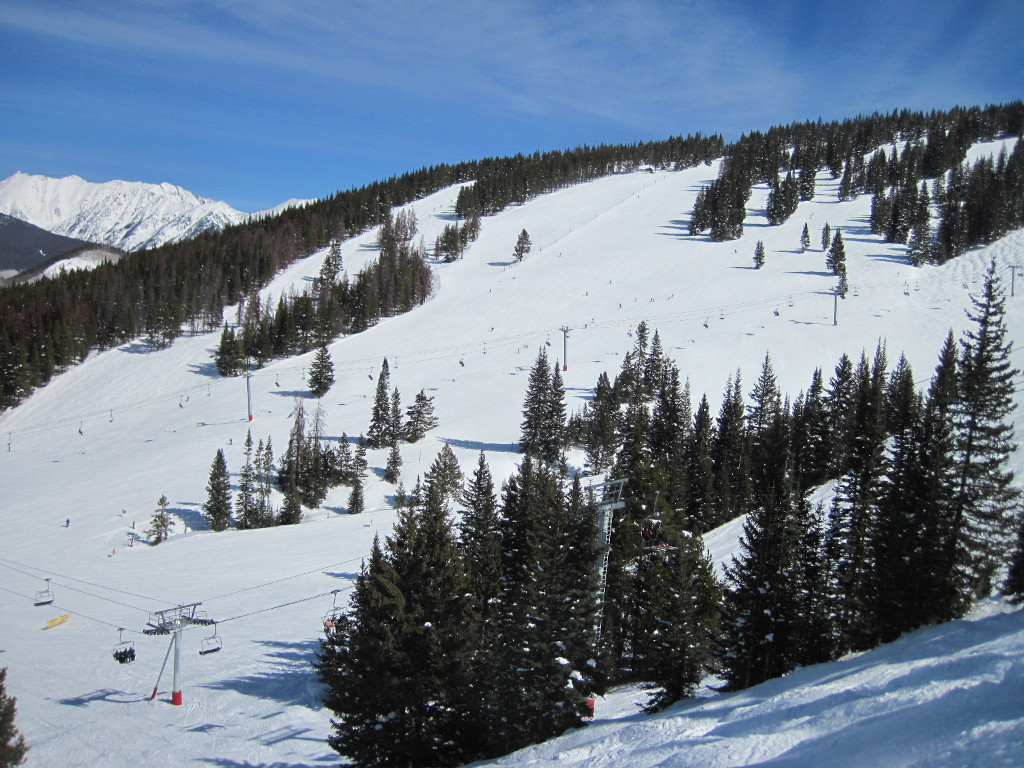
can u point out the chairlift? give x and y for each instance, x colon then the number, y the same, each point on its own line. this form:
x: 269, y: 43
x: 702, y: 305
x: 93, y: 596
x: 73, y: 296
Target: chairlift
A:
x: 124, y: 651
x: 654, y: 534
x: 45, y: 596
x: 211, y: 644
x: 332, y: 616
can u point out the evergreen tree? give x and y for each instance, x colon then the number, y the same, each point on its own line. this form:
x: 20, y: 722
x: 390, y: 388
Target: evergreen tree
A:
x: 853, y: 520
x: 931, y: 489
x: 421, y: 418
x: 264, y: 467
x: 701, y: 471
x: 807, y: 180
x: 378, y: 434
x: 985, y: 498
x: 480, y: 538
x: 356, y: 504
x: 523, y: 245
x: 315, y: 471
x: 292, y: 460
x: 805, y: 239
x: 811, y: 438
x: 536, y: 407
x: 229, y: 353
x: 291, y: 510
x: 757, y: 641
x: 437, y: 627
x: 759, y: 254
x: 839, y: 413
x: 246, y: 505
x: 395, y: 428
x: 573, y: 596
x: 161, y: 523
x: 676, y: 620
x: 826, y: 237
x: 392, y: 472
x: 731, y: 457
x: 656, y: 367
x: 321, y: 373
x: 813, y: 635
x: 332, y: 265
x: 897, y: 543
x: 835, y: 259
x: 445, y: 474
x: 554, y: 418
x: 1013, y: 587
x: 12, y: 743
x: 763, y: 414
x: 529, y: 675
x: 600, y: 417
x: 359, y: 462
x: 218, y: 494
x: 358, y: 666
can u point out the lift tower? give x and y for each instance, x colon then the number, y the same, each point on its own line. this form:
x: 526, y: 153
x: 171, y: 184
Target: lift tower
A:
x: 171, y: 621
x: 605, y: 499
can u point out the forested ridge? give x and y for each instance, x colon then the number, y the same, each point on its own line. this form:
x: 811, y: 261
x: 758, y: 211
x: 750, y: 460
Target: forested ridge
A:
x: 47, y: 326
x: 50, y: 325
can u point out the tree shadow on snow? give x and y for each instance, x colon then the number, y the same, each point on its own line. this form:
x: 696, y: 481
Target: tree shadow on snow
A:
x: 191, y: 515
x: 209, y: 370
x: 224, y: 762
x: 285, y: 675
x: 477, y: 445
x: 108, y: 695
x: 291, y: 394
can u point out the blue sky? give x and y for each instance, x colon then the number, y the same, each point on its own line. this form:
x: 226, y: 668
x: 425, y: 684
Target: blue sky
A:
x: 258, y: 101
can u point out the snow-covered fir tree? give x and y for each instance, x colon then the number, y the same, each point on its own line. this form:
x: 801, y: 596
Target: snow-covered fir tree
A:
x: 218, y: 494
x: 161, y: 523
x: 246, y: 505
x: 378, y: 434
x: 321, y: 372
x: 420, y: 417
x: 985, y: 499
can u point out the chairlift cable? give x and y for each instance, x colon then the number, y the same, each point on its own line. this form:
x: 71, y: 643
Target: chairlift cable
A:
x: 81, y: 581
x: 284, y: 578
x: 76, y: 613
x: 285, y: 605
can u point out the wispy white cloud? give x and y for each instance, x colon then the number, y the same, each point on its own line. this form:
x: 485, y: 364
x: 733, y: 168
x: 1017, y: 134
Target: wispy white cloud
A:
x: 418, y: 80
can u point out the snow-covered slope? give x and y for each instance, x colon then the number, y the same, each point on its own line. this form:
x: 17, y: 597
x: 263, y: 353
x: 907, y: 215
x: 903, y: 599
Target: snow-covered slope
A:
x: 124, y: 214
x: 951, y: 695
x: 103, y: 441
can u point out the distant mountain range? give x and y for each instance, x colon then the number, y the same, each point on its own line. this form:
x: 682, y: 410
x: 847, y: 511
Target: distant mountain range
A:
x: 126, y: 215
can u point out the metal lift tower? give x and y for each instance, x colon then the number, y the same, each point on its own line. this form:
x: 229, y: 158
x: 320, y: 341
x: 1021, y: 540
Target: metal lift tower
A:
x: 605, y: 498
x: 171, y: 621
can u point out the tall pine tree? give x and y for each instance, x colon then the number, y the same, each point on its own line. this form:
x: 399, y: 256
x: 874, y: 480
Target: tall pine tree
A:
x: 218, y: 494
x: 985, y: 498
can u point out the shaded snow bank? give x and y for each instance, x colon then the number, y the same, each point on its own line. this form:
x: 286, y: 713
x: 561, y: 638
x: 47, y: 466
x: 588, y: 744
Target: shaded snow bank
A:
x: 941, y: 696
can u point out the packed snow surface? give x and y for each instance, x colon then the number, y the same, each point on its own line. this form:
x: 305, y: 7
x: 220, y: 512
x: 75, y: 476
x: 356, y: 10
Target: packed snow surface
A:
x: 128, y: 215
x: 85, y: 459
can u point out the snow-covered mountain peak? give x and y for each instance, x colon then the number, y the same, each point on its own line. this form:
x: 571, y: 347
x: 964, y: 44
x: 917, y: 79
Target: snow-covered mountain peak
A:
x: 128, y: 215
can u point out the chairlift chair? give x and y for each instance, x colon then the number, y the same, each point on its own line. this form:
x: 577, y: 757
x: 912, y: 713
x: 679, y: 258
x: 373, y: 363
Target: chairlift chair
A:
x: 44, y: 596
x: 654, y: 535
x: 211, y: 644
x: 124, y: 651
x: 332, y: 616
